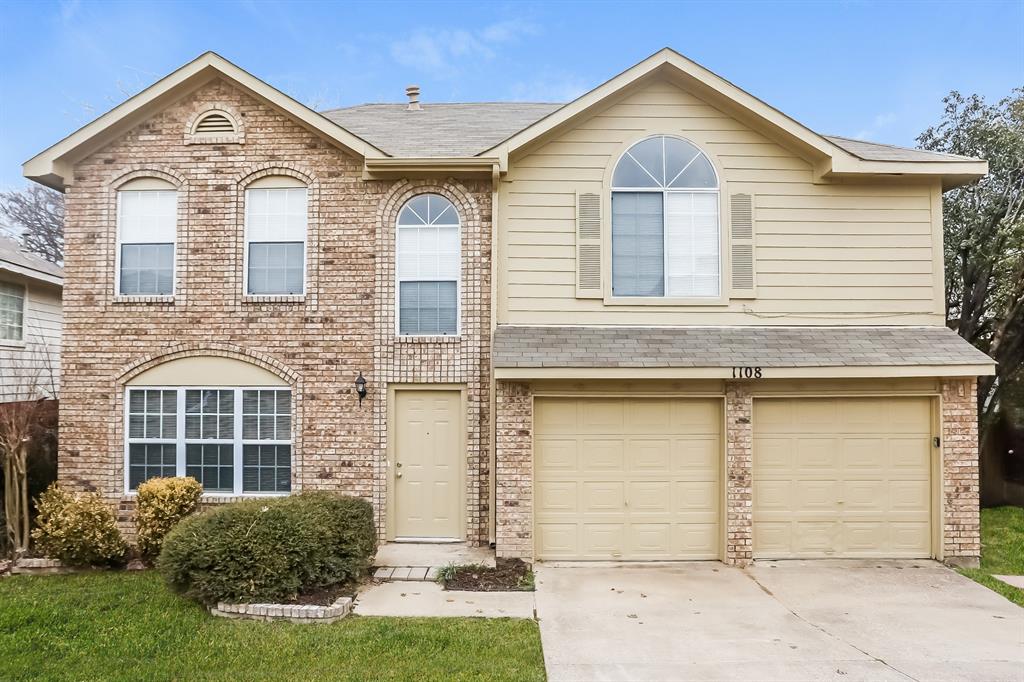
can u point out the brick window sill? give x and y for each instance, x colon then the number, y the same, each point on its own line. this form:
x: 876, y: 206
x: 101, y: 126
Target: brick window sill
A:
x: 298, y: 298
x: 428, y: 339
x: 145, y: 300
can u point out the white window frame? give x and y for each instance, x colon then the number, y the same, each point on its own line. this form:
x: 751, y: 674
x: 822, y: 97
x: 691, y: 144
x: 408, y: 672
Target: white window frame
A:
x: 717, y: 191
x: 19, y: 343
x: 458, y: 278
x: 174, y: 246
x: 305, y: 238
x: 238, y: 442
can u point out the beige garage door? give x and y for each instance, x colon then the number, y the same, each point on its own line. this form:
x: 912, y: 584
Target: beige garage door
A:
x: 626, y: 478
x: 842, y: 477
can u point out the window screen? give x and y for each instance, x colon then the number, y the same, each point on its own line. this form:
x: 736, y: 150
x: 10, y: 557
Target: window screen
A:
x: 146, y: 232
x: 276, y: 221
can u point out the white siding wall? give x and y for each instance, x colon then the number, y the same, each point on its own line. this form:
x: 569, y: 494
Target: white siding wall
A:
x: 32, y: 369
x: 825, y: 253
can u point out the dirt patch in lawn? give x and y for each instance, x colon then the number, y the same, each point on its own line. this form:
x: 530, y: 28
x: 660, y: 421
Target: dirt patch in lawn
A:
x: 510, y: 575
x: 323, y: 596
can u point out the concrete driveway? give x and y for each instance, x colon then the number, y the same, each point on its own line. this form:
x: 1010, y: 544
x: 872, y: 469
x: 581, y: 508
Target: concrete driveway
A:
x: 792, y: 620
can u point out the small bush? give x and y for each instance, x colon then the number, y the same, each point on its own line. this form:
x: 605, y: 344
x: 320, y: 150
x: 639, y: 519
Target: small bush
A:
x: 80, y: 530
x: 161, y: 504
x: 269, y: 549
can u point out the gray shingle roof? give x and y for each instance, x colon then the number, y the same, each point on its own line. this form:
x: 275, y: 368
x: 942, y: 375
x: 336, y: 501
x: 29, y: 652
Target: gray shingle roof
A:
x: 687, y: 347
x: 875, y: 151
x: 439, y: 129
x: 469, y: 128
x: 15, y: 259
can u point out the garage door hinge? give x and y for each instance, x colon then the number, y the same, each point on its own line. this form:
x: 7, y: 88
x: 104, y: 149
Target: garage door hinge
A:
x: 936, y: 441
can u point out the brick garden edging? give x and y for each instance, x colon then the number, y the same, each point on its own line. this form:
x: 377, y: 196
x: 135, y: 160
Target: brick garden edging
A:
x: 38, y: 567
x: 296, y: 613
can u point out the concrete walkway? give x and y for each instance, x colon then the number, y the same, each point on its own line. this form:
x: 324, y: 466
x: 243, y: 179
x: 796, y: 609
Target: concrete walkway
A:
x: 431, y: 600
x: 824, y: 620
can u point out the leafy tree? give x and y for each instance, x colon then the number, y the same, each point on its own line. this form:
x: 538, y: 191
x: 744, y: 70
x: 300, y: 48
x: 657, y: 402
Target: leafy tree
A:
x: 36, y: 214
x: 984, y: 237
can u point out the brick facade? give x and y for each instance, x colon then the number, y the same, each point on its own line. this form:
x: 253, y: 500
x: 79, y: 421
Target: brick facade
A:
x: 960, y: 509
x: 514, y: 464
x: 318, y: 342
x: 961, y: 521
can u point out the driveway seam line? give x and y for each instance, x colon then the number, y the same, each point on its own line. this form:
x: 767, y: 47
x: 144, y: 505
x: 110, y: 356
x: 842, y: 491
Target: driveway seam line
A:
x: 823, y: 630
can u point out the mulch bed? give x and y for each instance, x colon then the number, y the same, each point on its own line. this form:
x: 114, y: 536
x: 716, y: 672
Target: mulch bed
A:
x: 323, y: 596
x: 508, y: 576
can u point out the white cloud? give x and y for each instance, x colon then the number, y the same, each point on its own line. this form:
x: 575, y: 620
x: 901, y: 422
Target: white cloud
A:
x: 444, y: 52
x: 878, y: 124
x: 549, y: 87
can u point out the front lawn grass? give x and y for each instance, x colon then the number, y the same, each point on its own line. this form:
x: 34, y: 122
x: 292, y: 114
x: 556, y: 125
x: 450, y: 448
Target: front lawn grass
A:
x: 1002, y: 550
x: 129, y: 626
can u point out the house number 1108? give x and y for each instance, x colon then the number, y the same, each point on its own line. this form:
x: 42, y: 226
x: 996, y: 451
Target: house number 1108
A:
x: 746, y: 372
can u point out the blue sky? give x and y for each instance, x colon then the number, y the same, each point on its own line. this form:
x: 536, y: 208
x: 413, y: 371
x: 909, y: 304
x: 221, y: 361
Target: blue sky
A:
x: 862, y: 69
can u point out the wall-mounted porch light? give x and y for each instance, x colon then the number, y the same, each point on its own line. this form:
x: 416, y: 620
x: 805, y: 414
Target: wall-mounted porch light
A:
x: 361, y: 387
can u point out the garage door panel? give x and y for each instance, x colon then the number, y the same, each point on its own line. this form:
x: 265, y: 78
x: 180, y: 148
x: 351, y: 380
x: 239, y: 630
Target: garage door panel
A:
x: 910, y: 455
x: 695, y: 540
x: 775, y: 456
x: 696, y: 457
x: 649, y: 456
x: 598, y: 497
x: 816, y: 456
x: 556, y: 497
x: 602, y: 539
x: 605, y: 454
x: 557, y: 539
x: 858, y: 485
x: 647, y: 497
x: 649, y: 540
x: 634, y: 478
x: 556, y: 455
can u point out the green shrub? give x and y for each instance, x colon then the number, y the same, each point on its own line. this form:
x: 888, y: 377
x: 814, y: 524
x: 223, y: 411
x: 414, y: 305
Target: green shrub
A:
x: 80, y: 530
x: 269, y: 549
x: 161, y: 504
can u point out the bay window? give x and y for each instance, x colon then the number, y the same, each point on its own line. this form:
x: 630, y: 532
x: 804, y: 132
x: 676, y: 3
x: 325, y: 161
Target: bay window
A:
x: 665, y: 229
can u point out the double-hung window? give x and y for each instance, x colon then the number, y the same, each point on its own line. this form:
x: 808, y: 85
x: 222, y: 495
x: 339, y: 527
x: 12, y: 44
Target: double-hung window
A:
x: 428, y: 266
x: 147, y: 225
x: 12, y: 312
x: 665, y: 229
x: 234, y: 441
x: 275, y: 237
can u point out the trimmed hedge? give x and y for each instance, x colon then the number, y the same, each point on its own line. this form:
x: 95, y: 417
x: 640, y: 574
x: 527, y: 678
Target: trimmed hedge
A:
x: 160, y: 505
x: 79, y: 529
x: 270, y: 549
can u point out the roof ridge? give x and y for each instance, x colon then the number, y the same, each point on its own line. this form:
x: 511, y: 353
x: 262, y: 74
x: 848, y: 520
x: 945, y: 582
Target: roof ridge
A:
x: 426, y: 104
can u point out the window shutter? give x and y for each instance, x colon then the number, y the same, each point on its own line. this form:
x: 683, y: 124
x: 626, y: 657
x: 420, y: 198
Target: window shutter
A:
x: 588, y: 245
x: 742, y: 241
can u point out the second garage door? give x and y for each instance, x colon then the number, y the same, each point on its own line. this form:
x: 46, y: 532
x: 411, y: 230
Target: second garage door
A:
x: 842, y: 477
x: 627, y: 478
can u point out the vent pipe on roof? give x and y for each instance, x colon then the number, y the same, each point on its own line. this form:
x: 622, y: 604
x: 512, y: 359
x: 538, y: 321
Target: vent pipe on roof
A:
x: 413, y: 93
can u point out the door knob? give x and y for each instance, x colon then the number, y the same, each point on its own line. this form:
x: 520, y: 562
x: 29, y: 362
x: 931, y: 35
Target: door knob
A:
x: 398, y: 475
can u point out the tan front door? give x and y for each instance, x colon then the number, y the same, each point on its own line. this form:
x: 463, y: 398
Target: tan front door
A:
x: 626, y: 478
x: 842, y: 477
x: 428, y: 457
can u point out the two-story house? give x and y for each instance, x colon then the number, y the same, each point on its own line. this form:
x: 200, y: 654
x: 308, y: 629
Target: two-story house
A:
x: 662, y: 321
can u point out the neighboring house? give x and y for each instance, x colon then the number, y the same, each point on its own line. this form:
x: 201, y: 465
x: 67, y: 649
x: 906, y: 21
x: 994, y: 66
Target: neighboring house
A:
x: 663, y: 321
x: 30, y: 322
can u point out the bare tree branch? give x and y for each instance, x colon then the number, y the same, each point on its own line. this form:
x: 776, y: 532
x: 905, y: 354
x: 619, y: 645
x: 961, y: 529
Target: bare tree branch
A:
x: 36, y: 216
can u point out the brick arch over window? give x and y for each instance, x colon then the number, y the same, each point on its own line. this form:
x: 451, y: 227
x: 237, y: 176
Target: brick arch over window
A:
x: 187, y: 350
x: 135, y: 172
x: 452, y: 190
x: 251, y: 175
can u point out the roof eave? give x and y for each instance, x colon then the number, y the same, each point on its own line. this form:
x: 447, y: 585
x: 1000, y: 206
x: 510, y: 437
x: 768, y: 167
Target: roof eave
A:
x: 374, y: 168
x: 951, y: 173
x: 52, y: 166
x: 816, y: 372
x: 31, y: 273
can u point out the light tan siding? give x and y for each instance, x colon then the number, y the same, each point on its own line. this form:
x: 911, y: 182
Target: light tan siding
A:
x: 824, y: 253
